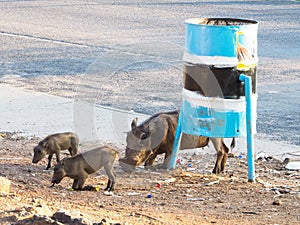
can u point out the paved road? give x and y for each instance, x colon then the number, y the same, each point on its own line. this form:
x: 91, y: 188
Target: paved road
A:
x: 66, y: 38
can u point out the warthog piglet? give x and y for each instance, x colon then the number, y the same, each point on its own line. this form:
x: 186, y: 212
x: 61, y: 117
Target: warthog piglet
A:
x: 53, y: 144
x: 80, y: 166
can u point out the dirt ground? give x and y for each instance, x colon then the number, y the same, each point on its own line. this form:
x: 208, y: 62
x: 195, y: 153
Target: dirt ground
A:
x: 190, y: 194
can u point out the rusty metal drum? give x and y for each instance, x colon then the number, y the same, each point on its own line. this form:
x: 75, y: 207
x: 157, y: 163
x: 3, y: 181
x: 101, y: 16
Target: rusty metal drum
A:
x: 217, y: 52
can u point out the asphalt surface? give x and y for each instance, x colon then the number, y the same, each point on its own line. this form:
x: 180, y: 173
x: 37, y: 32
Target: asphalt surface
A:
x: 145, y: 38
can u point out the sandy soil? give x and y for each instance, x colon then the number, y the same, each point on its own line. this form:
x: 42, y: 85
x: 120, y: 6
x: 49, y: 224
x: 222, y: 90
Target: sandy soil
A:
x: 188, y: 195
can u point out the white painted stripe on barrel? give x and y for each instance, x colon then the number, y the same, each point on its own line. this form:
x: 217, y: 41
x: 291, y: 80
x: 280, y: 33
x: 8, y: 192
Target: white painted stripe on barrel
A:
x: 221, y: 104
x: 218, y: 61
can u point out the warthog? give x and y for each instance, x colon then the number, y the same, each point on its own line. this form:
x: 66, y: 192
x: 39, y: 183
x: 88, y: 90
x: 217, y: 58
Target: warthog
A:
x: 53, y: 144
x: 78, y: 167
x: 156, y: 136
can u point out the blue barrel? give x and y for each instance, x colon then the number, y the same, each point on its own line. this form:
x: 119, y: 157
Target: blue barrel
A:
x: 221, y: 37
x: 217, y: 52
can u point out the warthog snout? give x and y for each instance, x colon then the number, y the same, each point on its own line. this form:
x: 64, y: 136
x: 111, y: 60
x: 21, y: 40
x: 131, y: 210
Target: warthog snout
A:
x: 59, y: 172
x: 39, y: 153
x: 34, y: 160
x: 57, y: 176
x: 128, y: 164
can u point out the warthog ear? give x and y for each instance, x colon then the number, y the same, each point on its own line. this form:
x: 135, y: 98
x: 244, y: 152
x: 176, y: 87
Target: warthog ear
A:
x: 145, y: 133
x: 62, y: 162
x: 45, y: 145
x: 146, y: 129
x: 134, y: 123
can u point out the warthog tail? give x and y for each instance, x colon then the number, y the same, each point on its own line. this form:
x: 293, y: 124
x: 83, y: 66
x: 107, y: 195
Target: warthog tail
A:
x: 232, y: 145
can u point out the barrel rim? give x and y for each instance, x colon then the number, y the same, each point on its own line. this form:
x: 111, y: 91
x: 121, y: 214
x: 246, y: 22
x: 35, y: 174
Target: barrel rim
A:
x: 198, y: 20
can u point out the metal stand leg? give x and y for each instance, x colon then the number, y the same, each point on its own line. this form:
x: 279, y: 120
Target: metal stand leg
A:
x: 176, y: 144
x: 250, y: 143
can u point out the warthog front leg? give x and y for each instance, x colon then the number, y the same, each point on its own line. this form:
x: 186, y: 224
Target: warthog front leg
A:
x: 57, y: 156
x: 73, y: 150
x: 49, y: 161
x: 150, y: 160
x: 78, y: 183
x: 75, y: 184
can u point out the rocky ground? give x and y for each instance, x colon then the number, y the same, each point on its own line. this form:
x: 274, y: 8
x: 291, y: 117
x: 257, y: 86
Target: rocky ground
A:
x: 188, y: 195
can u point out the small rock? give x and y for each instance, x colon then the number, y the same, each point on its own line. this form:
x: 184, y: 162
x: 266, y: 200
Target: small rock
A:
x: 220, y: 201
x: 286, y: 161
x: 37, y: 220
x: 212, y: 183
x: 133, y: 193
x: 103, y: 222
x: 277, y: 202
x: 4, y: 185
x: 62, y: 217
x: 65, y: 217
x: 269, y: 158
x: 284, y: 191
x: 171, y: 180
x: 108, y: 193
x: 195, y: 199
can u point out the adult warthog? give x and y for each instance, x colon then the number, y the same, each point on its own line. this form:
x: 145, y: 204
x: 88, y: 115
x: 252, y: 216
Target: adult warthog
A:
x: 156, y: 136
